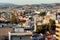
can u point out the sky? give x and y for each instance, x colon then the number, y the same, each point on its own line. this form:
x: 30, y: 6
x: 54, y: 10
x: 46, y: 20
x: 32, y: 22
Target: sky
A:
x: 23, y: 2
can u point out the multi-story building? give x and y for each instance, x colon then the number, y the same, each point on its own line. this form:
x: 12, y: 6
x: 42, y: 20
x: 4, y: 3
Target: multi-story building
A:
x: 20, y: 34
x: 58, y: 27
x: 57, y: 31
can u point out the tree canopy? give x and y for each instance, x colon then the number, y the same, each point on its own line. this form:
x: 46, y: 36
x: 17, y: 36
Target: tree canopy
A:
x: 52, y: 25
x: 42, y: 29
x: 42, y: 14
x: 13, y: 19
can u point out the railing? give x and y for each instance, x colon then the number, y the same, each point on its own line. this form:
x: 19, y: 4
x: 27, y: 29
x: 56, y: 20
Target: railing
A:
x: 57, y: 28
x: 22, y: 33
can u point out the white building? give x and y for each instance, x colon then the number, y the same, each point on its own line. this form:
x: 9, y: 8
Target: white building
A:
x: 20, y: 34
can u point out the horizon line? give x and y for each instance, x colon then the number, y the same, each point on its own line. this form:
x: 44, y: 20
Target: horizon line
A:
x: 28, y: 4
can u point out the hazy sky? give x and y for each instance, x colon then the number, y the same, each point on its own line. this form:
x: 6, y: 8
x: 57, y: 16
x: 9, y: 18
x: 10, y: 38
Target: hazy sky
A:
x: 22, y: 2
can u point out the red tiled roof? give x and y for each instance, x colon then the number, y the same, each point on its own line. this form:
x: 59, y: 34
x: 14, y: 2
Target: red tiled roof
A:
x: 49, y: 37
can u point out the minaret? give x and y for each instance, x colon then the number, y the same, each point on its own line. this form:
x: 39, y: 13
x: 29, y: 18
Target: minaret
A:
x: 35, y: 24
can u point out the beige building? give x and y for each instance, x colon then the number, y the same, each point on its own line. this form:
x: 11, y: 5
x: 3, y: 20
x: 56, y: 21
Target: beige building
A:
x: 57, y: 30
x: 46, y: 19
x: 4, y: 33
x: 3, y: 19
x: 20, y: 34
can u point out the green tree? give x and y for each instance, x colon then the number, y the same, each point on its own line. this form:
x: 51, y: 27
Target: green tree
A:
x: 39, y: 29
x: 42, y: 14
x: 13, y: 19
x: 42, y: 29
x: 52, y: 25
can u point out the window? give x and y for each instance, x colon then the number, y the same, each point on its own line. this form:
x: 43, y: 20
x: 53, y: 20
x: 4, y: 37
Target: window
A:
x: 19, y: 30
x: 5, y: 38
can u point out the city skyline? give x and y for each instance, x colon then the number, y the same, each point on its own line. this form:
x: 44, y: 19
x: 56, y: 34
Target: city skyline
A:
x: 23, y: 2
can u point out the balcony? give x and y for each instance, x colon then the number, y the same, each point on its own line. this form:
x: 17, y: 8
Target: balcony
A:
x: 22, y: 33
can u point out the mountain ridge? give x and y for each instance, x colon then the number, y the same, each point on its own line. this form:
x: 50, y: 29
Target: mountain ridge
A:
x: 11, y: 5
